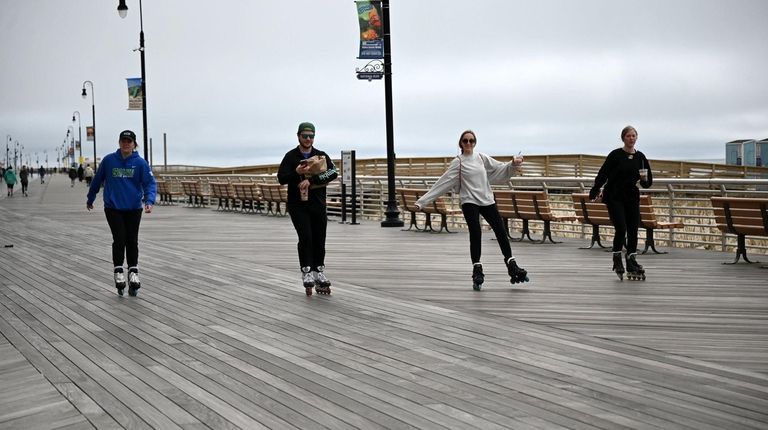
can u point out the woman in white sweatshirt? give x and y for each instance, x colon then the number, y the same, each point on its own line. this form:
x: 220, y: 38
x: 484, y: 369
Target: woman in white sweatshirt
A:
x: 472, y: 174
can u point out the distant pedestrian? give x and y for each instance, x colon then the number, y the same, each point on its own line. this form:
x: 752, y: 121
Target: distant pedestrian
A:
x: 616, y: 186
x: 80, y: 173
x: 72, y: 175
x: 10, y: 179
x: 24, y: 176
x: 472, y: 173
x: 41, y: 172
x: 307, y: 170
x: 88, y: 175
x: 128, y: 186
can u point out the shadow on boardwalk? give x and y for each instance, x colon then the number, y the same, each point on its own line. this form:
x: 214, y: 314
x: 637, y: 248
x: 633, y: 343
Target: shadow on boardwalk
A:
x: 222, y: 335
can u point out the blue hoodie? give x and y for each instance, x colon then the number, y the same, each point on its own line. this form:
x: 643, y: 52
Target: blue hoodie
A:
x: 128, y: 182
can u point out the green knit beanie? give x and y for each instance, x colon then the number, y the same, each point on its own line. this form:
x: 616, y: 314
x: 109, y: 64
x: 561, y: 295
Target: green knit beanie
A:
x: 304, y: 126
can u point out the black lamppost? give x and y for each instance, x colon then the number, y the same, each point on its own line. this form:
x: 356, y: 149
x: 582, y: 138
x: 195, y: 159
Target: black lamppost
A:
x: 7, y: 151
x: 16, y: 157
x: 122, y: 10
x: 93, y: 112
x: 72, y: 144
x: 79, y: 132
x: 392, y: 214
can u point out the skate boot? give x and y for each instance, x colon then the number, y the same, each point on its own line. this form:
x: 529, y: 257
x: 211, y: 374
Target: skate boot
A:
x: 516, y: 273
x: 618, y: 265
x: 322, y: 284
x: 120, y: 281
x: 477, y: 277
x: 635, y: 272
x: 307, y: 279
x: 133, y: 283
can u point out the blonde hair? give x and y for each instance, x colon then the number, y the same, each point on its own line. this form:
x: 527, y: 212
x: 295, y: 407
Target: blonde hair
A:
x: 626, y: 130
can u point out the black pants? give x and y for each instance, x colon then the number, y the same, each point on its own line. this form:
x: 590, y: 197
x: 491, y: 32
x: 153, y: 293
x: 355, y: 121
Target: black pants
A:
x: 472, y: 214
x: 24, y: 185
x: 311, y: 223
x: 625, y: 216
x: 125, y: 235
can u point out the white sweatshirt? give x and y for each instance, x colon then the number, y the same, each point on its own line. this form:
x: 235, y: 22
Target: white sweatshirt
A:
x: 473, y: 176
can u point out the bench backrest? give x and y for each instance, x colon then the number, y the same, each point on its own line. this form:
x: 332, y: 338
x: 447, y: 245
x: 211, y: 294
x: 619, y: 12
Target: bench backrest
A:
x: 408, y: 197
x: 738, y: 215
x: 162, y: 187
x: 246, y: 191
x: 221, y: 190
x: 192, y: 188
x: 647, y: 216
x: 275, y: 193
x: 530, y: 205
x: 588, y: 212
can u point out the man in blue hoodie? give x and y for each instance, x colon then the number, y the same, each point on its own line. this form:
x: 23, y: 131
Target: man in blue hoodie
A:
x: 129, y: 187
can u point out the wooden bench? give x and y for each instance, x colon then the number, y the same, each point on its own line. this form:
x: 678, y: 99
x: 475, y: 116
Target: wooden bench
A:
x: 596, y: 214
x: 591, y: 213
x: 408, y: 197
x: 194, y: 191
x: 649, y: 223
x: 165, y: 191
x: 742, y: 217
x: 527, y: 206
x: 274, y: 194
x: 249, y: 196
x: 224, y: 192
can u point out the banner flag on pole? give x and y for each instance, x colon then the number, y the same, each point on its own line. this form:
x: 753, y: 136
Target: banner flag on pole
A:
x: 135, y: 96
x: 371, y: 39
x: 89, y: 134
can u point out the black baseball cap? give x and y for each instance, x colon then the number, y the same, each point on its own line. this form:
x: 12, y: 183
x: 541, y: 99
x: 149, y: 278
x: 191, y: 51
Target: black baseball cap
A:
x: 128, y: 134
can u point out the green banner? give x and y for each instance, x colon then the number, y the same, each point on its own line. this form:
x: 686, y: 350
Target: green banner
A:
x: 135, y: 95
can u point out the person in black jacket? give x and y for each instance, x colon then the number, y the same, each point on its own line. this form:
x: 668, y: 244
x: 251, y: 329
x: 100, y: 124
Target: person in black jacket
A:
x: 616, y: 185
x: 306, y: 206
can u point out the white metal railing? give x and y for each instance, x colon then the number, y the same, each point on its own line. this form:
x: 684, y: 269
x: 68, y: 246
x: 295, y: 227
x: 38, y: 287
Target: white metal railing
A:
x: 675, y: 199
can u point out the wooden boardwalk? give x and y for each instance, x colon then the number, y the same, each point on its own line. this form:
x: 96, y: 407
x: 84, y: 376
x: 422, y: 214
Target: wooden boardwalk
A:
x: 222, y: 335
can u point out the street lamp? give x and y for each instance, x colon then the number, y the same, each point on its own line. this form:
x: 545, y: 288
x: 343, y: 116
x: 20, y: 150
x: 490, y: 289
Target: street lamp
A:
x: 79, y: 131
x: 16, y: 157
x: 392, y: 214
x: 72, y: 144
x: 7, y: 151
x: 122, y: 10
x: 93, y: 112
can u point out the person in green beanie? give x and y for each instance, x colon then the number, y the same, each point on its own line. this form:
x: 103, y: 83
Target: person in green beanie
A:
x: 306, y: 204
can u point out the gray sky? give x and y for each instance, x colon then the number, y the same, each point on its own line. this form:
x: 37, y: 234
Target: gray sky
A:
x: 230, y: 83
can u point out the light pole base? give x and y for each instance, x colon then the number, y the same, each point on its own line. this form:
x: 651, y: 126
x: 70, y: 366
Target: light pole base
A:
x: 393, y: 219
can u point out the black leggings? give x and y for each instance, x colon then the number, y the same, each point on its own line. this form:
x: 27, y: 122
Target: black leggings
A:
x: 125, y: 235
x: 311, y: 223
x: 625, y: 216
x: 24, y: 185
x: 472, y: 214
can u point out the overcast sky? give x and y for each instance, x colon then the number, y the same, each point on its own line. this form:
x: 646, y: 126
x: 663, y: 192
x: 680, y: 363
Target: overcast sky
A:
x: 229, y: 81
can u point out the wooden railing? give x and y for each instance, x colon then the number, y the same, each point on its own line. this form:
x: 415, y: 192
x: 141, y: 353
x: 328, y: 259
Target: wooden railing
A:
x: 578, y: 165
x: 675, y: 199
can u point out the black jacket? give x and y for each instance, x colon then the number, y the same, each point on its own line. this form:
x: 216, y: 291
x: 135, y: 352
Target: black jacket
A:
x: 287, y: 175
x: 619, y: 174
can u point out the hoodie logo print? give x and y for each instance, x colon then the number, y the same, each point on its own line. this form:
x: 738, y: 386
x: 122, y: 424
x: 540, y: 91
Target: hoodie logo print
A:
x: 119, y: 172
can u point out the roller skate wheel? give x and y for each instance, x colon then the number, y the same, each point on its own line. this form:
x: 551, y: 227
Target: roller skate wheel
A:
x: 308, y: 290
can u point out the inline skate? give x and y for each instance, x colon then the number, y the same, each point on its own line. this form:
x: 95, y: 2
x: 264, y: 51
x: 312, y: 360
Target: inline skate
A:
x: 635, y: 272
x: 477, y: 277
